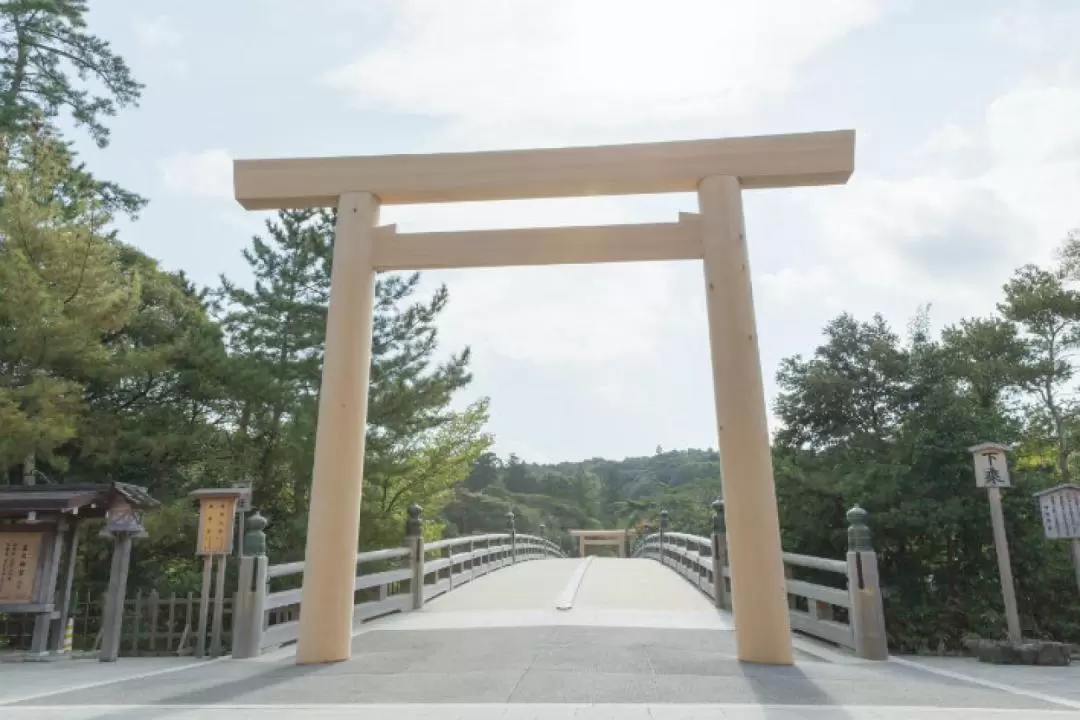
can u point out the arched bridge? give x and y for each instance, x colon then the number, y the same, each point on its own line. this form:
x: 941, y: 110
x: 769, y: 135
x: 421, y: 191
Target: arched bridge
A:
x: 505, y: 626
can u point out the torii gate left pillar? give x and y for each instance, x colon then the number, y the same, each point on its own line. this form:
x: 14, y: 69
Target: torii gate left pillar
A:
x: 718, y: 170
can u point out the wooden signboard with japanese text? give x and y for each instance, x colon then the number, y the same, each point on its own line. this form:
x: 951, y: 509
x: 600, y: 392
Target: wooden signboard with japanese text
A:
x: 19, y: 553
x: 991, y: 469
x: 1060, y: 511
x: 216, y: 516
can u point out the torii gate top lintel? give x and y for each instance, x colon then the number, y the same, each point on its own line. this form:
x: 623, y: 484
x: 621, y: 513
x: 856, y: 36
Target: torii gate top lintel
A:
x: 766, y: 161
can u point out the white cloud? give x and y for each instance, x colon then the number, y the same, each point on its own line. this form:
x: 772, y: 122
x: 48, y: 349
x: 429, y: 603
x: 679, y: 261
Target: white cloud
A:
x: 206, y: 174
x: 949, y: 138
x: 548, y: 70
x: 951, y: 236
x: 157, y: 32
x: 580, y: 316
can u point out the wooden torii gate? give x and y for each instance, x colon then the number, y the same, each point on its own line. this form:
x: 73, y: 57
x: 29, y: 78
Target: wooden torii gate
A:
x: 616, y: 538
x: 717, y: 170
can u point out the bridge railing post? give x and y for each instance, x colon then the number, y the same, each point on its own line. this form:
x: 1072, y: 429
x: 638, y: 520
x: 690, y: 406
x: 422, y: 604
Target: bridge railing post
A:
x: 719, y: 554
x: 249, y: 615
x: 663, y: 527
x: 513, y: 535
x: 864, y: 590
x: 414, y: 539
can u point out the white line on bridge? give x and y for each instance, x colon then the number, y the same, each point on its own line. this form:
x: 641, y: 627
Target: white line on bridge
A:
x: 529, y: 711
x: 111, y: 681
x: 565, y: 601
x: 1012, y: 689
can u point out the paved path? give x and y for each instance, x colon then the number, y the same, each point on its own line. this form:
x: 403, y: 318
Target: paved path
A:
x: 638, y: 642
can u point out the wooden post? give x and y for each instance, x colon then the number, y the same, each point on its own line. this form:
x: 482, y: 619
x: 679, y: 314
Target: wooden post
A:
x: 204, y: 606
x: 136, y: 616
x: 414, y: 537
x: 249, y: 603
x: 257, y: 607
x: 513, y: 536
x: 71, y: 540
x: 241, y: 624
x: 1076, y: 559
x: 864, y: 589
x: 219, y: 607
x: 112, y: 623
x: 992, y: 473
x: 1001, y: 546
x: 759, y: 603
x: 663, y: 528
x: 154, y: 602
x: 170, y: 632
x: 334, y: 509
x: 48, y: 566
x: 719, y: 554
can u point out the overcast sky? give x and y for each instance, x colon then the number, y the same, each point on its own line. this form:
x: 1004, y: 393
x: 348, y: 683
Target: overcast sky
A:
x: 967, y: 115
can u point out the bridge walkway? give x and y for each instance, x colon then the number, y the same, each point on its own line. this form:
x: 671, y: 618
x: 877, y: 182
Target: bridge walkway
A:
x: 637, y: 641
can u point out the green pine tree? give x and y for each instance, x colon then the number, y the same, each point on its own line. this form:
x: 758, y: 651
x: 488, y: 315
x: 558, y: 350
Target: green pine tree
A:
x: 51, y: 66
x: 417, y: 447
x: 63, y: 290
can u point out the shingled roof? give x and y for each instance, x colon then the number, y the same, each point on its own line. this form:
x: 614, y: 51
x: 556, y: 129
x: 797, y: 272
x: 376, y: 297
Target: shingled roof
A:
x: 91, y: 500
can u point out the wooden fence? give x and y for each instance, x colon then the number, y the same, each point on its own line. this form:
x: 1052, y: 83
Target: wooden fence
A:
x: 153, y: 625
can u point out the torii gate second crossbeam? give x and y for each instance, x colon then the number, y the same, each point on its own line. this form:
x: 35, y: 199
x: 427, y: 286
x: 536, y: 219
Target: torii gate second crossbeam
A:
x: 718, y: 170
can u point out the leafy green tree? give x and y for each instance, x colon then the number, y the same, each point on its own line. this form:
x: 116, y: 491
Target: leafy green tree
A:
x: 913, y: 473
x: 1048, y: 312
x: 50, y: 65
x: 43, y: 44
x: 416, y: 445
x: 485, y: 473
x: 63, y: 291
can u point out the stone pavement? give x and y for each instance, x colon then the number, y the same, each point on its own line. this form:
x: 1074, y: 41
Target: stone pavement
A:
x: 628, y: 662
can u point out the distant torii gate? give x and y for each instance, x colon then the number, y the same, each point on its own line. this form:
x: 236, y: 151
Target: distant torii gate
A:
x: 718, y: 170
x: 618, y: 538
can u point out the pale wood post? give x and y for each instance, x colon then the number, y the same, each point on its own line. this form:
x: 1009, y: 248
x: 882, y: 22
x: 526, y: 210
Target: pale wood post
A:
x: 1001, y: 546
x: 663, y: 528
x: 334, y: 510
x: 71, y: 540
x: 719, y: 554
x: 112, y: 622
x: 154, y: 603
x: 759, y: 600
x: 249, y: 608
x: 219, y: 606
x: 204, y: 604
x: 1076, y: 559
x: 992, y: 473
x: 513, y: 535
x: 171, y: 627
x: 864, y: 589
x: 414, y: 538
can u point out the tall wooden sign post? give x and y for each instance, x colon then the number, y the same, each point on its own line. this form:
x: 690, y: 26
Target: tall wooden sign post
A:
x: 217, y: 515
x: 1059, y: 508
x: 992, y: 473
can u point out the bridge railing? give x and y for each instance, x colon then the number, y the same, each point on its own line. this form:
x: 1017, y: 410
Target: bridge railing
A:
x: 388, y: 581
x: 851, y: 616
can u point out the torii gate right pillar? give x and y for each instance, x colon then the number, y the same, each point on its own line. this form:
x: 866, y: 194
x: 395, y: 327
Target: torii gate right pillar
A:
x: 759, y: 595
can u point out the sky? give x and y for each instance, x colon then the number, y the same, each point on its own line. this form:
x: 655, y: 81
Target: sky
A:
x: 967, y: 120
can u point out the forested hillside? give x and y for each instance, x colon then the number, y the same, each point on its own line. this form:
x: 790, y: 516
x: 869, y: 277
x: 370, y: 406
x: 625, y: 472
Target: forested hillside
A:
x: 593, y: 494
